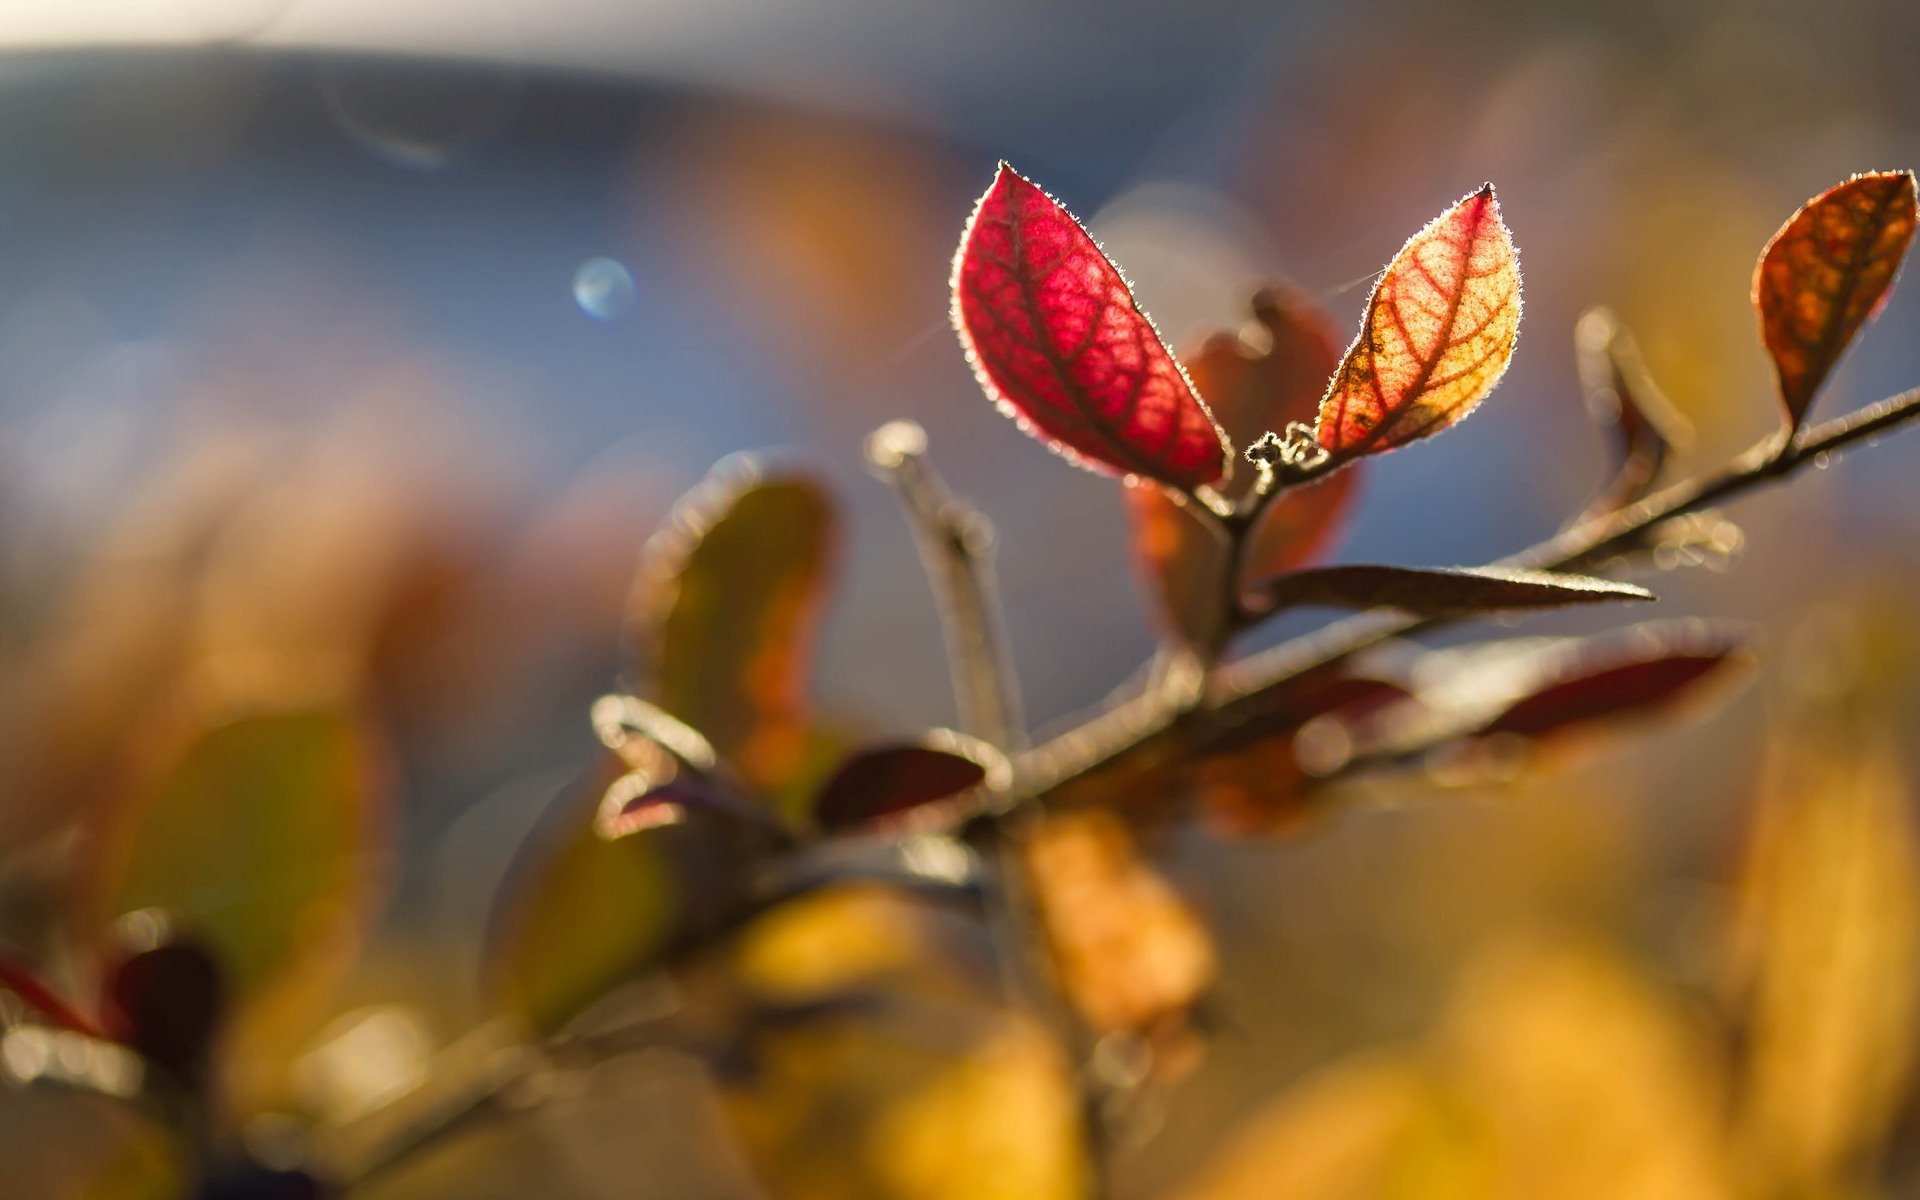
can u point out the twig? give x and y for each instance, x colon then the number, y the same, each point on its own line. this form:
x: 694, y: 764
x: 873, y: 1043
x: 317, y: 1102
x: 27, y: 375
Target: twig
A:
x: 955, y: 544
x: 1148, y: 729
x: 956, y: 547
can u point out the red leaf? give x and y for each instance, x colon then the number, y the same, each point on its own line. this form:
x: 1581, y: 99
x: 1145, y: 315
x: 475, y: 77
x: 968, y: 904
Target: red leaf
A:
x: 1825, y: 274
x: 1267, y: 379
x: 890, y: 781
x: 1057, y: 340
x: 1439, y: 331
x: 1441, y: 591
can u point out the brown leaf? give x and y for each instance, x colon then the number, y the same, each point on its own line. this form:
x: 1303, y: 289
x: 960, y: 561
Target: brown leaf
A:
x: 1441, y: 591
x: 1825, y: 274
x: 1643, y: 425
x: 1259, y: 778
x: 1266, y: 378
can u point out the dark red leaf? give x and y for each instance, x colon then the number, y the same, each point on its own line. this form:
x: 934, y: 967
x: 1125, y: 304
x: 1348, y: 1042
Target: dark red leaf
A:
x: 1607, y: 691
x: 1057, y: 340
x: 892, y: 781
x: 1267, y: 378
x: 1478, y: 707
x: 1442, y: 591
x: 168, y: 1002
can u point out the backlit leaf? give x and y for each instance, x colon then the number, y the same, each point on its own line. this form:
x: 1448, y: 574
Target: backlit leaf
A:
x: 725, y: 614
x: 265, y: 841
x: 1825, y: 274
x: 1058, y: 342
x: 1265, y: 379
x: 1642, y: 424
x: 1439, y: 331
x: 1827, y: 956
x: 894, y: 780
x: 1441, y: 591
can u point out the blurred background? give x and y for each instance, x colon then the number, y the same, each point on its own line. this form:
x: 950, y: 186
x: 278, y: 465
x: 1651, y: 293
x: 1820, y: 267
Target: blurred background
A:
x: 362, y: 345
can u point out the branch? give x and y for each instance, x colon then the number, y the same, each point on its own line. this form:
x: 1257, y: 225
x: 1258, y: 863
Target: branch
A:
x: 1145, y: 729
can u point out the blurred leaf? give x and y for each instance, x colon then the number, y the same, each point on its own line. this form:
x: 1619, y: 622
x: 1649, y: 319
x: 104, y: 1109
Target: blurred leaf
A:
x: 581, y: 912
x: 1590, y: 1083
x: 1256, y: 780
x: 59, y: 1144
x: 1127, y: 951
x: 1642, y: 423
x: 839, y: 938
x: 1441, y: 591
x: 265, y: 840
x: 1439, y: 331
x: 1057, y: 340
x: 1268, y: 378
x: 725, y: 614
x: 1825, y: 274
x: 893, y: 781
x: 1484, y: 705
x: 927, y: 1101
x: 1371, y: 1128
x: 1826, y: 956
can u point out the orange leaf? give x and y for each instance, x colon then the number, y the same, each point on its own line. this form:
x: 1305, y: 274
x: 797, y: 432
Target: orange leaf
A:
x: 1130, y: 955
x: 1825, y: 274
x: 1057, y: 340
x: 1439, y: 332
x: 1265, y: 379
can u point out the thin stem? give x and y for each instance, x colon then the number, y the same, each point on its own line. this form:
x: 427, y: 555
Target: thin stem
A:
x: 955, y: 546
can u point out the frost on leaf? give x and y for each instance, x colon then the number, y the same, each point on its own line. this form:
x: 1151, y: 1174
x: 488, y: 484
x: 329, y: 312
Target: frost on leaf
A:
x: 1057, y: 340
x: 1439, y: 331
x: 1825, y: 274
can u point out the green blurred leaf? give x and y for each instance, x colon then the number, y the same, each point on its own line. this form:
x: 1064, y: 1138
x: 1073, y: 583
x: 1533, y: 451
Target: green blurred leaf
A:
x: 726, y: 611
x: 581, y: 912
x: 263, y: 839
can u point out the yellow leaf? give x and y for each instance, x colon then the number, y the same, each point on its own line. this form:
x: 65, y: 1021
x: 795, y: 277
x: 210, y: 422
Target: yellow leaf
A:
x: 1827, y: 957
